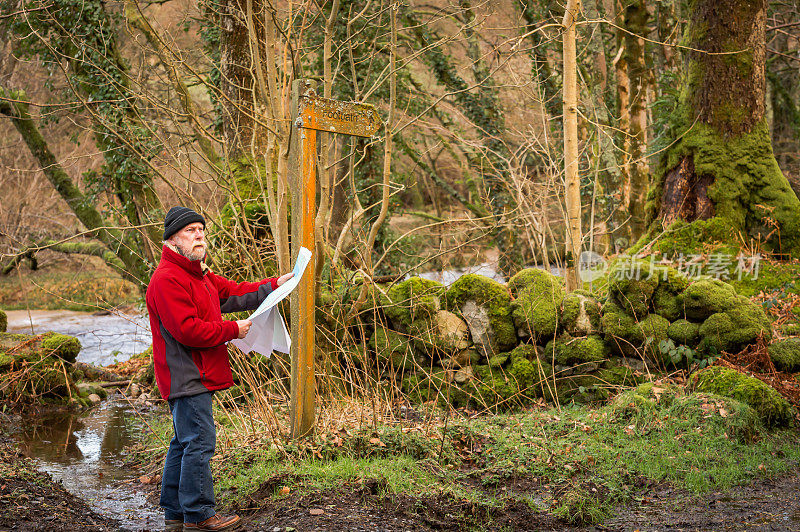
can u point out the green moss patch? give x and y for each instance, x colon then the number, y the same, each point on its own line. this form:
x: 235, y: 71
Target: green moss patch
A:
x: 580, y: 313
x: 734, y: 329
x: 413, y: 299
x: 3, y: 321
x: 684, y: 332
x: 785, y: 354
x: 770, y: 406
x: 495, y: 301
x: 705, y: 297
x: 569, y: 351
x: 631, y: 283
x: 537, y: 304
x: 61, y: 345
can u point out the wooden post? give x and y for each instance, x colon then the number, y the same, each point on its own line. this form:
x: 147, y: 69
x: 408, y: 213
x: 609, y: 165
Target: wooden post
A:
x: 312, y: 114
x: 303, y: 181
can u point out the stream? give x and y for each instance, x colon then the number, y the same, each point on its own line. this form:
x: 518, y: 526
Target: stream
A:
x: 85, y: 452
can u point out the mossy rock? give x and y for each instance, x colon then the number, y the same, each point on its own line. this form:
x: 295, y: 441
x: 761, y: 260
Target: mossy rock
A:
x: 45, y: 380
x: 443, y: 336
x: 61, y: 345
x: 537, y: 304
x: 705, y: 297
x: 567, y: 350
x: 770, y: 406
x: 734, y: 329
x: 413, y: 299
x: 485, y: 305
x: 580, y: 314
x: 498, y: 361
x: 621, y: 331
x: 668, y: 296
x: 392, y: 349
x: 654, y: 329
x: 785, y: 354
x: 632, y: 283
x: 3, y: 321
x: 619, y: 375
x: 684, y: 332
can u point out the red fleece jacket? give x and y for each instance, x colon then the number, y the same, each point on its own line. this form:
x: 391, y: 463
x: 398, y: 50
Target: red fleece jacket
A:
x: 185, y: 305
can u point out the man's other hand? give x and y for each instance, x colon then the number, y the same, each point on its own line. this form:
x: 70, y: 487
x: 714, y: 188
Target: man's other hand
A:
x: 285, y: 277
x: 244, y: 326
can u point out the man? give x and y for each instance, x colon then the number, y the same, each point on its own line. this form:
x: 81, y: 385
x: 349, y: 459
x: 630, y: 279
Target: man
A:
x: 185, y: 301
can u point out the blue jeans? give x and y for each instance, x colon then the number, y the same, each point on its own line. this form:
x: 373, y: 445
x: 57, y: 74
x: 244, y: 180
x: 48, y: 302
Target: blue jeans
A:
x: 187, y: 488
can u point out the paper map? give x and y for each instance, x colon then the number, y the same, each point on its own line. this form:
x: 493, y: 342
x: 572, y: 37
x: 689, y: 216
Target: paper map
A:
x: 268, y: 332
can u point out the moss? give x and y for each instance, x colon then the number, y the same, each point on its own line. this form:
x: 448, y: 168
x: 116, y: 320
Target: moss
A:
x: 618, y: 375
x: 770, y: 406
x: 684, y: 332
x: 3, y: 321
x: 538, y: 299
x: 690, y: 238
x: 580, y: 313
x: 632, y: 283
x: 732, y: 330
x: 6, y: 362
x: 526, y: 351
x: 785, y: 354
x: 622, y: 332
x: 498, y: 360
x: 654, y: 329
x: 772, y: 276
x: 748, y: 184
x: 392, y: 348
x: 493, y: 297
x: 61, y: 345
x: 569, y: 351
x: 413, y: 299
x: 581, y: 389
x: 705, y: 297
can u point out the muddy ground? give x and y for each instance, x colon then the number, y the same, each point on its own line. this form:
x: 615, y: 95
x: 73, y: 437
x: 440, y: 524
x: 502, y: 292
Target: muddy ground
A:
x: 29, y: 500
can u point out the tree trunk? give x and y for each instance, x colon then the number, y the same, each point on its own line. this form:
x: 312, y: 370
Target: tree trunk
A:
x: 573, y: 182
x: 636, y: 139
x: 722, y: 163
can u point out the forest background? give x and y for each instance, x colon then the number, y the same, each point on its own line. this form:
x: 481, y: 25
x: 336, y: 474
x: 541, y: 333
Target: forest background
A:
x: 123, y: 109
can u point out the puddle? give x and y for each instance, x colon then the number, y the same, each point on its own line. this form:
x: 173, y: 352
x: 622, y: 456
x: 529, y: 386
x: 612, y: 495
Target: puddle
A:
x: 105, y: 339
x: 84, y: 453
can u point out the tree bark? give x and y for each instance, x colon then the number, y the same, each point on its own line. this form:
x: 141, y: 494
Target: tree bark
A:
x: 573, y: 183
x: 721, y: 162
x: 636, y: 138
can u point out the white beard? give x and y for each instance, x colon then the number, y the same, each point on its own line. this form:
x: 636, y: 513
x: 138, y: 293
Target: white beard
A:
x: 190, y: 254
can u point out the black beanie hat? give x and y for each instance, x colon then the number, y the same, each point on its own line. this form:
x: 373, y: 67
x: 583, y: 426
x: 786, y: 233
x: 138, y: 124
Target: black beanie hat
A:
x: 178, y: 218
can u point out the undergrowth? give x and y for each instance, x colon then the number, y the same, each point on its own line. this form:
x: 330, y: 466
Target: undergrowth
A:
x: 578, y: 463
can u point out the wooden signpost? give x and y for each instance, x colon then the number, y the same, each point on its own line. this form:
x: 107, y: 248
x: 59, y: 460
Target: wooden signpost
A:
x: 313, y: 114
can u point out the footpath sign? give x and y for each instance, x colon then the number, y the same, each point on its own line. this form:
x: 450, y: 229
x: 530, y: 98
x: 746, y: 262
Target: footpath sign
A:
x: 332, y: 116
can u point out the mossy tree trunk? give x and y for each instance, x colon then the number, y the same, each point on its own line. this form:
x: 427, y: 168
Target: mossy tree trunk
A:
x: 721, y: 162
x: 635, y: 146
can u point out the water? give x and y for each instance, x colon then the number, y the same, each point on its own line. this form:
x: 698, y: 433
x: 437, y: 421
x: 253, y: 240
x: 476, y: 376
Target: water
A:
x: 86, y: 454
x: 105, y: 339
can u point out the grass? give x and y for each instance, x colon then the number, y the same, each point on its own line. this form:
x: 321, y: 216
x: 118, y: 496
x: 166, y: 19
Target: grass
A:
x: 81, y: 285
x: 579, y: 462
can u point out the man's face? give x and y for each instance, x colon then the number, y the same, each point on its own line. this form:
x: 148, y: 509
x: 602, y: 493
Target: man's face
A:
x: 190, y: 241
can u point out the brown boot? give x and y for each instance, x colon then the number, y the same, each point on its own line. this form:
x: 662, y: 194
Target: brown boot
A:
x: 215, y: 522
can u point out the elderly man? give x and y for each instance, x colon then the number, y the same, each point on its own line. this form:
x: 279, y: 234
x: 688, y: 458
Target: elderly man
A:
x: 185, y: 301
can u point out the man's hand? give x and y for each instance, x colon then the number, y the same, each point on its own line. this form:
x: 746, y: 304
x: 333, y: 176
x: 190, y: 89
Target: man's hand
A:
x: 285, y: 277
x: 244, y: 326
